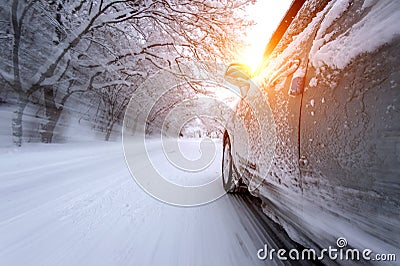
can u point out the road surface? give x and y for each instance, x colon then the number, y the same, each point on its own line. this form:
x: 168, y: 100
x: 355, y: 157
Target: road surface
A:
x: 77, y: 204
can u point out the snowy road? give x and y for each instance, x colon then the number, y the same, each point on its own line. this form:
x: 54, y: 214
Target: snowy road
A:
x: 76, y: 204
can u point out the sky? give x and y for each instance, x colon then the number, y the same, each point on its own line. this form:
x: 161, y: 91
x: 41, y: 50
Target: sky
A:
x: 267, y: 14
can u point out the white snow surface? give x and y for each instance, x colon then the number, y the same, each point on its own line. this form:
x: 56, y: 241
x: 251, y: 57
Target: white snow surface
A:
x: 76, y: 204
x: 378, y: 27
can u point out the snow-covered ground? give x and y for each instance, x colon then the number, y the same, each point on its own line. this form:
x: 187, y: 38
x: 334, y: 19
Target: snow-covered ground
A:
x: 76, y: 204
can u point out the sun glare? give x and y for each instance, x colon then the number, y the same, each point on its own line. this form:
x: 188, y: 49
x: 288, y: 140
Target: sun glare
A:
x: 266, y: 14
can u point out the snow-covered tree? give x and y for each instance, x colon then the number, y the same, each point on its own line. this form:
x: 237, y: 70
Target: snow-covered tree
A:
x: 56, y: 49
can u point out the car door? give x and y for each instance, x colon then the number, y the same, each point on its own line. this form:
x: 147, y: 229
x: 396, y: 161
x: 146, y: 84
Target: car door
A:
x: 350, y: 122
x: 284, y: 75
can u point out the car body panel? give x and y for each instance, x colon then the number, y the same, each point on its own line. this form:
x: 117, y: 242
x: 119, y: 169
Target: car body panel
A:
x: 350, y: 137
x: 335, y: 169
x: 254, y: 137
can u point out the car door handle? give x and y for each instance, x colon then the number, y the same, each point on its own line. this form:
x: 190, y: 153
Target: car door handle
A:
x: 284, y: 71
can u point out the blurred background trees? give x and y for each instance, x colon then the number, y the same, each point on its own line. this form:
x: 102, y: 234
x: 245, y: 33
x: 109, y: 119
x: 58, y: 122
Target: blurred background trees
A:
x: 84, y: 59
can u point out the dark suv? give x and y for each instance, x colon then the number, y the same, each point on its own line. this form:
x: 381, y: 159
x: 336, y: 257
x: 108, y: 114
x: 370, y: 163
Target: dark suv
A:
x: 319, y: 139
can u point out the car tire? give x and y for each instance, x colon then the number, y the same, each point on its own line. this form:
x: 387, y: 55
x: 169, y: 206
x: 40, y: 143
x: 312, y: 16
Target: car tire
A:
x: 228, y: 176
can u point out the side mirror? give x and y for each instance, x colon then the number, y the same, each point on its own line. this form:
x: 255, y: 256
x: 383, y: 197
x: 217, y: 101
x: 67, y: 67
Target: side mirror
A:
x: 239, y: 75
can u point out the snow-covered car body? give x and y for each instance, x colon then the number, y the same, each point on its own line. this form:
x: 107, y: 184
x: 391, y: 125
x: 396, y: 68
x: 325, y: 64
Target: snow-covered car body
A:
x: 332, y: 85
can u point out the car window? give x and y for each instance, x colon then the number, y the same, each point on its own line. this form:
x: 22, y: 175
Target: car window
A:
x: 302, y: 20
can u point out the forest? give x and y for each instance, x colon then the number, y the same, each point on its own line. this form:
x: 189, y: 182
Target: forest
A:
x: 65, y: 61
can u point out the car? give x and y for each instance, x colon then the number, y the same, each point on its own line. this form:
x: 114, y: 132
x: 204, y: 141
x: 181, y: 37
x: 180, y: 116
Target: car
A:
x: 317, y: 135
